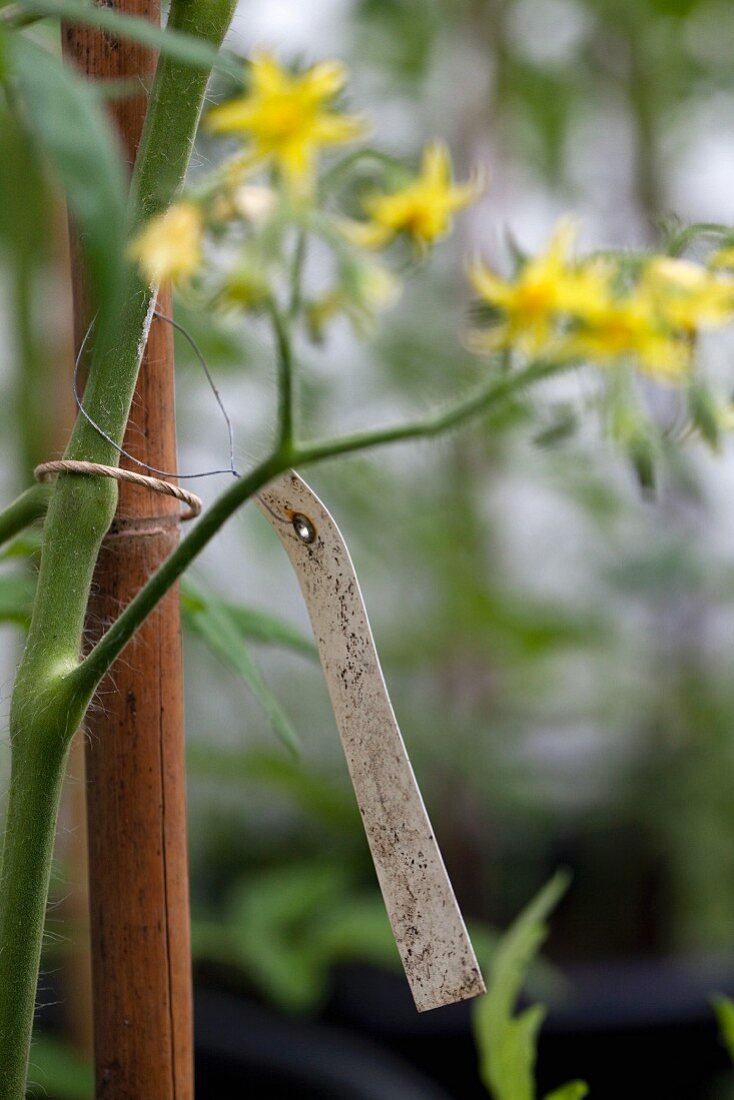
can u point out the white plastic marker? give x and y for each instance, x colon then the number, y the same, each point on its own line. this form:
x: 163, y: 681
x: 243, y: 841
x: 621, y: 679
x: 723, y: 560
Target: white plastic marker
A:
x: 437, y: 954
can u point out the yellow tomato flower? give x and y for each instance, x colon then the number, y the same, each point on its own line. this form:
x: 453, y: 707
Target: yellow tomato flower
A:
x: 169, y: 247
x: 566, y: 310
x: 687, y: 296
x: 423, y: 209
x: 287, y: 118
x: 629, y: 327
x: 548, y: 286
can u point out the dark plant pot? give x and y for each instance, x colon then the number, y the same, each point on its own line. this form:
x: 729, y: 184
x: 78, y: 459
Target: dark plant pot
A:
x: 640, y: 1030
x: 243, y: 1048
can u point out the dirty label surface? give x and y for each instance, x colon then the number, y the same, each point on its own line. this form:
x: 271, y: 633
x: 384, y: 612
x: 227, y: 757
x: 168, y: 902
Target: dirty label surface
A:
x: 434, y: 946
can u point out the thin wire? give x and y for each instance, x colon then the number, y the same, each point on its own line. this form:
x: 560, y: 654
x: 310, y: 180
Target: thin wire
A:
x: 121, y: 450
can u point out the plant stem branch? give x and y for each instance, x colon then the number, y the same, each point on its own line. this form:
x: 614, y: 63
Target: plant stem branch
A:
x: 25, y: 509
x: 482, y: 400
x: 285, y: 378
x: 83, y: 680
x: 299, y: 259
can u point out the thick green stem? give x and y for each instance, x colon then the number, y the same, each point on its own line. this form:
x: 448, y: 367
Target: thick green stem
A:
x: 82, y: 509
x: 44, y: 711
x: 35, y: 786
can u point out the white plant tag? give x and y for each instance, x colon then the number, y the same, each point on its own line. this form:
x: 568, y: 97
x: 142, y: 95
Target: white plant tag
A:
x: 434, y: 946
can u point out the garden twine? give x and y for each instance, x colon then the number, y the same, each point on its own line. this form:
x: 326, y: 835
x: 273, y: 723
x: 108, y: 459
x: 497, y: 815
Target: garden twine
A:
x: 95, y: 469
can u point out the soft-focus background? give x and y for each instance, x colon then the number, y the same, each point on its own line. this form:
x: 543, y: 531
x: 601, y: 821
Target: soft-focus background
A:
x: 558, y: 645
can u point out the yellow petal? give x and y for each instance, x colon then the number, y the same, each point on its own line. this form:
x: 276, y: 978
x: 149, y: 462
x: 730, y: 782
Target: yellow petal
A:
x: 267, y: 75
x: 489, y: 286
x: 436, y: 165
x: 364, y: 234
x: 324, y: 80
x: 333, y: 129
x: 234, y: 117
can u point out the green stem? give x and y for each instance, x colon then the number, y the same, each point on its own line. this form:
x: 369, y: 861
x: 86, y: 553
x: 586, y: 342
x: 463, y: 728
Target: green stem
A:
x: 45, y: 712
x: 86, y: 676
x: 285, y: 378
x: 84, y: 679
x: 299, y: 259
x: 25, y: 509
x: 482, y: 400
x: 35, y: 786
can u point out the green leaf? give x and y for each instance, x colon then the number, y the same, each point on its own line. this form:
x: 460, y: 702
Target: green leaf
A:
x: 255, y: 625
x: 174, y: 43
x: 573, y: 1090
x: 25, y: 208
x: 260, y: 626
x: 273, y: 918
x: 24, y: 546
x: 724, y: 1009
x: 211, y: 619
x: 287, y: 926
x: 56, y: 1070
x: 16, y: 599
x: 507, y: 1043
x: 704, y: 412
x: 69, y: 126
x: 318, y: 796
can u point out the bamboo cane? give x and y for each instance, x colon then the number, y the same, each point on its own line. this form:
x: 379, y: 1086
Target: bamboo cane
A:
x: 135, y: 754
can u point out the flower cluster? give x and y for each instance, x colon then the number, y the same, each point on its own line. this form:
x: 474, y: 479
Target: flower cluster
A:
x: 256, y: 211
x: 645, y: 309
x: 239, y: 240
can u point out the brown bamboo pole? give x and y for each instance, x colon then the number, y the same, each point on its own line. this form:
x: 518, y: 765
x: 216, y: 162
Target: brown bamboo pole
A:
x: 135, y: 756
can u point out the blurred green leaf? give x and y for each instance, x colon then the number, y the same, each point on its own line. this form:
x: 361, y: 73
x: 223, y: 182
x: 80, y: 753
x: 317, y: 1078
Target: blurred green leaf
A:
x: 547, y: 100
x: 211, y: 619
x: 507, y: 1043
x: 26, y: 240
x: 69, y: 125
x: 16, y: 599
x: 273, y: 919
x: 24, y: 209
x: 174, y: 43
x: 223, y: 344
x: 287, y: 926
x: 259, y: 626
x: 255, y: 625
x: 724, y: 1009
x: 680, y: 8
x: 704, y: 412
x: 24, y: 546
x: 401, y: 35
x: 574, y: 1090
x: 56, y: 1070
x: 321, y: 798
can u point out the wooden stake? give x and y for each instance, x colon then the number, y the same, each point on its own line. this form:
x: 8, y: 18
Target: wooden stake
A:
x: 135, y: 754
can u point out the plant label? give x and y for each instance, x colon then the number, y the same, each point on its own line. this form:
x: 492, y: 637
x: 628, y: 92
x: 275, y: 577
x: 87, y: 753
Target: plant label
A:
x: 434, y: 946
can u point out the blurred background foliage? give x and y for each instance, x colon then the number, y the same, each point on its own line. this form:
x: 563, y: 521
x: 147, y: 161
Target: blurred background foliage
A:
x: 557, y: 643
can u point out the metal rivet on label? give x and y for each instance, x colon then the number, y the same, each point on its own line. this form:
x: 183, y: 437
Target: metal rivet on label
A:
x: 303, y: 527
